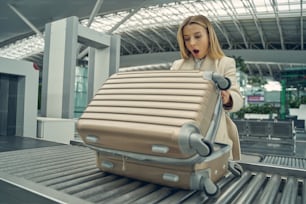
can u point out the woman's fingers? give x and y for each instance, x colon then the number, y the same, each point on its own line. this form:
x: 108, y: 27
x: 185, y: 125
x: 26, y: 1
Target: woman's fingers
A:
x: 225, y: 97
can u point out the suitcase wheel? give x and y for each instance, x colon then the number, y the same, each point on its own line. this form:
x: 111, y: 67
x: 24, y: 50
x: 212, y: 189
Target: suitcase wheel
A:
x: 209, y: 187
x: 235, y: 168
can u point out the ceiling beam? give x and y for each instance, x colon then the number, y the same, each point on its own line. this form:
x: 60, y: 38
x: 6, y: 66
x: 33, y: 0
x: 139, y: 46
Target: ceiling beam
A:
x: 275, y: 8
x: 269, y: 69
x: 279, y: 67
x: 216, y: 21
x: 278, y: 56
x: 302, y: 27
x: 163, y: 37
x: 131, y: 35
x: 150, y: 39
x: 130, y: 42
x: 259, y: 69
x: 124, y: 47
x: 251, y: 7
x: 94, y: 12
x: 250, y: 70
x: 127, y: 17
x: 26, y: 21
x: 90, y: 20
x: 296, y: 57
x: 233, y: 15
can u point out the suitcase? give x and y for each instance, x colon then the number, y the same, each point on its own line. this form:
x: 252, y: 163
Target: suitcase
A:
x: 162, y: 122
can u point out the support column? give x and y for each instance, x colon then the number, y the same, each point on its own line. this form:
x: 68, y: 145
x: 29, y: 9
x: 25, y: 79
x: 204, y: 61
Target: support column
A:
x: 4, y: 90
x: 18, y: 103
x: 59, y: 68
x: 114, y: 54
x: 283, y: 100
x: 61, y: 45
x: 96, y: 77
x: 102, y: 64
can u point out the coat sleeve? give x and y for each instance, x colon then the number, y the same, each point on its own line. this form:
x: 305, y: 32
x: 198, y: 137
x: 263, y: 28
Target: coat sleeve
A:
x: 176, y: 64
x: 229, y: 69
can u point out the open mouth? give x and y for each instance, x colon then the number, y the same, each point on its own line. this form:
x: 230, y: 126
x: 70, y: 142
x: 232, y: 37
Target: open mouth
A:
x: 195, y: 51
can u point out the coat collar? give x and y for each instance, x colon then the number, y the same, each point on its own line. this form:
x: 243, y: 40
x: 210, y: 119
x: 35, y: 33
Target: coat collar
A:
x: 208, y: 65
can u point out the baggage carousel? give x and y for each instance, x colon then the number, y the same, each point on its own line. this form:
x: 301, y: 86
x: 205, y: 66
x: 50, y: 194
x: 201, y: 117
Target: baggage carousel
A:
x: 68, y: 174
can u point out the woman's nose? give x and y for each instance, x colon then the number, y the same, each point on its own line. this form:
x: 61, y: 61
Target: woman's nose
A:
x: 192, y: 41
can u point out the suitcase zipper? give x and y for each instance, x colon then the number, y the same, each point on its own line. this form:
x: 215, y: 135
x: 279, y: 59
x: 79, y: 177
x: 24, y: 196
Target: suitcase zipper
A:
x: 166, y: 160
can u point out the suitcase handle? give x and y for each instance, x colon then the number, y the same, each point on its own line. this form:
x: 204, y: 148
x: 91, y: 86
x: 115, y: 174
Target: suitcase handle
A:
x: 203, y: 147
x: 222, y: 82
x: 191, y: 140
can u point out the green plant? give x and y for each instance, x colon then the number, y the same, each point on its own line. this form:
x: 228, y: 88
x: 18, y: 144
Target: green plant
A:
x: 295, y: 103
x: 266, y: 108
x: 257, y: 80
x: 303, y: 100
x: 241, y: 66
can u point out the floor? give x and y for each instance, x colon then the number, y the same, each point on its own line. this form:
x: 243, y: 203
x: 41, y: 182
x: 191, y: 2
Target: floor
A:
x: 12, y: 143
x: 10, y: 191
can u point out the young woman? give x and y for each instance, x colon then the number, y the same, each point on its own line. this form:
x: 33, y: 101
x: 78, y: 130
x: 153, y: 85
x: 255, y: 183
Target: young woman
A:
x: 200, y: 49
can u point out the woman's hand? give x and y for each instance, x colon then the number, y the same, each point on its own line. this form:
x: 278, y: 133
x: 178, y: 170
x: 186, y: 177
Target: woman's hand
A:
x: 226, y: 98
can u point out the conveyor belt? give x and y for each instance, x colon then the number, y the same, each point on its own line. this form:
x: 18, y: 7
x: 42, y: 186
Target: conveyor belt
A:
x: 294, y: 162
x: 68, y: 174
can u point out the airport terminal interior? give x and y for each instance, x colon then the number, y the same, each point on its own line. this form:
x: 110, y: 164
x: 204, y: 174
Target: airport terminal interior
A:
x: 55, y: 56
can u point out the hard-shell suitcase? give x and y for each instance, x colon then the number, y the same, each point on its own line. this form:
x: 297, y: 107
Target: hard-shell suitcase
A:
x: 163, y: 122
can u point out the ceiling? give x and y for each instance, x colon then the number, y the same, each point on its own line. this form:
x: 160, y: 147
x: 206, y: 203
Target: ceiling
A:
x: 40, y: 12
x: 268, y: 34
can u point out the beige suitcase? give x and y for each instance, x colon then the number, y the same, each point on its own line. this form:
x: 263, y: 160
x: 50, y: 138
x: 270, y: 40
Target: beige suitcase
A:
x: 162, y: 122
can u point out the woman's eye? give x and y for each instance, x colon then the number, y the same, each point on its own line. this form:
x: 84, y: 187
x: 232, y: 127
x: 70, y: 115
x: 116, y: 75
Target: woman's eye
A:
x: 186, y: 39
x: 197, y: 36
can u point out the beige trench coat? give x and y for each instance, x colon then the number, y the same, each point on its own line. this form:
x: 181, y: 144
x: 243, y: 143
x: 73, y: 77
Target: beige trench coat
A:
x: 227, y: 132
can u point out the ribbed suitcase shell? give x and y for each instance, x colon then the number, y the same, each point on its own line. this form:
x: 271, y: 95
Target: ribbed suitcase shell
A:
x: 135, y: 110
x: 182, y: 176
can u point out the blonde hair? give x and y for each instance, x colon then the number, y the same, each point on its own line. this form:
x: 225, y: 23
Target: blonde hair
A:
x: 214, y: 50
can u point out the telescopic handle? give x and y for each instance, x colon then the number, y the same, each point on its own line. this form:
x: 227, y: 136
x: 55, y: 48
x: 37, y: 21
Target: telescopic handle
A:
x: 222, y: 82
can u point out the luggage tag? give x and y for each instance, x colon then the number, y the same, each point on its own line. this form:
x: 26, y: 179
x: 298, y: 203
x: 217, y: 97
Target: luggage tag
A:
x: 123, y: 163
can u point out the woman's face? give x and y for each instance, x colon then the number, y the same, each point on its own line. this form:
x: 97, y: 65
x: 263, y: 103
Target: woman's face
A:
x: 196, y: 40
